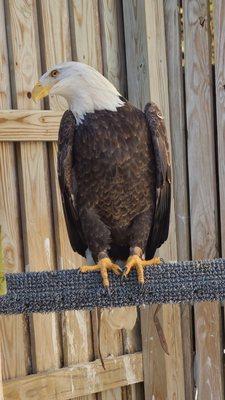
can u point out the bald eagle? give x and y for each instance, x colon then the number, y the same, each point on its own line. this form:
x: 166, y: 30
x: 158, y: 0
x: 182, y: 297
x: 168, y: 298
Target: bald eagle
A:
x: 113, y: 170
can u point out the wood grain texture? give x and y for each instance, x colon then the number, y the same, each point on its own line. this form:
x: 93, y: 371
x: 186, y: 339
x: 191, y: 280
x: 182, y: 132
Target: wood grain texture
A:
x: 109, y: 342
x: 153, y: 356
x: 136, y: 51
x: 180, y: 179
x: 23, y: 51
x: 201, y: 157
x: 86, y: 47
x: 132, y: 343
x: 113, y: 52
x: 202, y: 183
x: 14, y: 343
x: 177, y: 125
x: 78, y: 380
x: 5, y: 96
x: 1, y: 384
x: 219, y: 43
x: 54, y: 40
x: 147, y: 79
x: 39, y: 251
x: 33, y: 175
x: 167, y: 384
x: 85, y: 32
x: 56, y: 48
x: 30, y: 125
x: 139, y: 94
x: 112, y: 38
x: 77, y: 347
x: 14, y: 330
x: 219, y: 40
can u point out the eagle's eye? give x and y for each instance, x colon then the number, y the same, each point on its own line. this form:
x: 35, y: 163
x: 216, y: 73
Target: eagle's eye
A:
x: 54, y: 73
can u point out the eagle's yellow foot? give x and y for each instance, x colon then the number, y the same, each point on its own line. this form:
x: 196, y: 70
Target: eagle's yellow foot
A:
x: 104, y: 265
x: 136, y: 262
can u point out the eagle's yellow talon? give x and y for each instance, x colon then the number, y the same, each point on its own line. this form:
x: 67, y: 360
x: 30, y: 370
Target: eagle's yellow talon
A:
x: 116, y: 269
x: 136, y: 262
x: 104, y: 265
x: 89, y: 268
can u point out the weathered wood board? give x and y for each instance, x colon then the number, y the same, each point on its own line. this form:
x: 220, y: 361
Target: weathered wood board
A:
x: 33, y: 174
x: 173, y: 36
x: 1, y: 384
x: 77, y: 347
x: 113, y: 55
x: 112, y: 37
x: 219, y: 41
x: 85, y: 32
x: 74, y: 381
x: 163, y: 375
x: 14, y: 343
x: 203, y: 194
x: 29, y: 125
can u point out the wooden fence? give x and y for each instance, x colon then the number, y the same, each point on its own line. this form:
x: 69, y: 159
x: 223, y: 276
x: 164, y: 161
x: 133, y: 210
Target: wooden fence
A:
x: 150, y: 49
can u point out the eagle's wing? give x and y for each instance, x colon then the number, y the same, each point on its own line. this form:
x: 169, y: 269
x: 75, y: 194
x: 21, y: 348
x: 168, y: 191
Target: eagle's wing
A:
x: 67, y: 181
x: 160, y: 227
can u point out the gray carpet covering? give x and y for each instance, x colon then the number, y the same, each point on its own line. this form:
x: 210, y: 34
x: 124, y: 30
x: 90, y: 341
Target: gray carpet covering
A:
x: 176, y: 282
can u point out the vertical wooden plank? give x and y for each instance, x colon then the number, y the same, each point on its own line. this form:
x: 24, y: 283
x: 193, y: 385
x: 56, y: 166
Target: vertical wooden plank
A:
x: 34, y: 177
x: 85, y: 32
x: 113, y: 50
x: 138, y: 94
x: 14, y: 344
x: 112, y: 38
x: 178, y: 142
x: 202, y: 183
x: 76, y: 325
x: 110, y: 343
x: 147, y: 78
x: 132, y: 344
x: 219, y: 41
x: 86, y: 45
x: 170, y: 314
x: 5, y: 96
x: 177, y: 124
x: 1, y: 385
x: 136, y: 51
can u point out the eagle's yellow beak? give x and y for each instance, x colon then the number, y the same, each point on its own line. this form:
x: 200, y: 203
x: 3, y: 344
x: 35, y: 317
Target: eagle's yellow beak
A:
x: 40, y: 91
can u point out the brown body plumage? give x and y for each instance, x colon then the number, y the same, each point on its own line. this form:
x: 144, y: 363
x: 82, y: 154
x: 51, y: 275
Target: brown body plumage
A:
x: 114, y: 175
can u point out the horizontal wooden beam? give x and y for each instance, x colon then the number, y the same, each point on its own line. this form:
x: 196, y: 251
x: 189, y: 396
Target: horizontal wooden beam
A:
x: 78, y: 380
x: 29, y: 125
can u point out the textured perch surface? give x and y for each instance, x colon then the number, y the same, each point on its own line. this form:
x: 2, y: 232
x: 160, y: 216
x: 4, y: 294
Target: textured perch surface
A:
x: 189, y: 281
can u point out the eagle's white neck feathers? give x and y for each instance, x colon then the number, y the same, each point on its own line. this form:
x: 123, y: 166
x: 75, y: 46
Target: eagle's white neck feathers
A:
x: 84, y: 88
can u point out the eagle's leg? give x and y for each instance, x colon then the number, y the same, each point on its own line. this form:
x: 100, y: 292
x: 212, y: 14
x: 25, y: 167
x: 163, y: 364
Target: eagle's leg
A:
x: 103, y: 265
x: 139, y: 234
x: 135, y: 261
x: 98, y: 237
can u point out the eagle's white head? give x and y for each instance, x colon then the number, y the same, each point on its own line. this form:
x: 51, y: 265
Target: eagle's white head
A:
x: 84, y: 88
